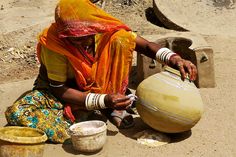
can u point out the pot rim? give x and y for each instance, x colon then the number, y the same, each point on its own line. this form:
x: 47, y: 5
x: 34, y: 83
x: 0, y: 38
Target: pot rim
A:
x: 22, y: 140
x: 101, y: 129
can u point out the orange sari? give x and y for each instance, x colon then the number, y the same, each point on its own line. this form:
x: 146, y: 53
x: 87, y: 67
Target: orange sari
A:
x: 112, y: 63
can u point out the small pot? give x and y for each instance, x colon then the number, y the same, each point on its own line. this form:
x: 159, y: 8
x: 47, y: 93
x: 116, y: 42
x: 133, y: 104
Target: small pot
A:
x: 89, y: 136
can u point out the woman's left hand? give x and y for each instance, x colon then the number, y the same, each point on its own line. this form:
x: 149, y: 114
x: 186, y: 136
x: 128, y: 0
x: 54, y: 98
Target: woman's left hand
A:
x: 184, y: 66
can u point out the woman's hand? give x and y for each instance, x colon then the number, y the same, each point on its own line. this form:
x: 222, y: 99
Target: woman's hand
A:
x: 150, y: 49
x: 117, y: 101
x: 185, y: 67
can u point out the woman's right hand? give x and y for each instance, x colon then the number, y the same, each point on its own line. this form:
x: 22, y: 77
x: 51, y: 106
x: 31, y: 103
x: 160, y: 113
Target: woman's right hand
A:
x: 117, y: 101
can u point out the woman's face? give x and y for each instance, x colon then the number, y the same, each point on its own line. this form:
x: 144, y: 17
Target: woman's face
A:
x: 82, y: 41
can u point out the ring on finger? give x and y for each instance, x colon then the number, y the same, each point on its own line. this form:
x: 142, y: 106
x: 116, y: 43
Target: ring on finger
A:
x: 179, y: 65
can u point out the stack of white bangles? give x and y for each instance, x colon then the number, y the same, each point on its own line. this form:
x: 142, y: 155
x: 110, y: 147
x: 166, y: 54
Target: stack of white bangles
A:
x: 95, y: 101
x: 164, y: 54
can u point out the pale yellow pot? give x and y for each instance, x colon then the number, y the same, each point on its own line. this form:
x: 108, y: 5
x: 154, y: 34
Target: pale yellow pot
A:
x: 168, y: 104
x: 18, y: 141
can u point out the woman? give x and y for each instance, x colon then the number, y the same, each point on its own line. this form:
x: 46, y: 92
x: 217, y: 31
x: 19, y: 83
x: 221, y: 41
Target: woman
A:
x: 85, y: 58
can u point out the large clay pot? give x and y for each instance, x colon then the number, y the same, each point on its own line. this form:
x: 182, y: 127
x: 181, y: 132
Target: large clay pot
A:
x: 168, y: 104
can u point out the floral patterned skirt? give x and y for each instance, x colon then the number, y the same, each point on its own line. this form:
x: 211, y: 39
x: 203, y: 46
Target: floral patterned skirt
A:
x: 40, y: 109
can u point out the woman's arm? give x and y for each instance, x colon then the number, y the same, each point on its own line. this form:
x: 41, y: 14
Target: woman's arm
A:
x: 77, y: 99
x: 150, y: 49
x: 71, y: 96
x: 147, y: 48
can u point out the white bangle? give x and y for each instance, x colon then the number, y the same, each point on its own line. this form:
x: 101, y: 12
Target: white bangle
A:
x: 95, y: 101
x: 56, y: 86
x: 101, y: 101
x: 164, y: 54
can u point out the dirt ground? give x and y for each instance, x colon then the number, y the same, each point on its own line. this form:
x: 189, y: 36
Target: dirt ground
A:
x: 214, y: 135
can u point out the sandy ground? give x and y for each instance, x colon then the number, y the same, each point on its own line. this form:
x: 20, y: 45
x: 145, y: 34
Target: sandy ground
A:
x: 213, y: 136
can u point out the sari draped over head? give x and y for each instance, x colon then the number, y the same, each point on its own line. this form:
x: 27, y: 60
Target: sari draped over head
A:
x: 110, y: 70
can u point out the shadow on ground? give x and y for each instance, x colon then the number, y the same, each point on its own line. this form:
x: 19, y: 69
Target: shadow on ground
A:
x: 141, y: 126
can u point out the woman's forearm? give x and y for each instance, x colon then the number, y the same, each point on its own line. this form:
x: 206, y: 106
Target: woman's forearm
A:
x: 90, y: 101
x: 147, y: 48
x: 166, y: 56
x: 71, y: 96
